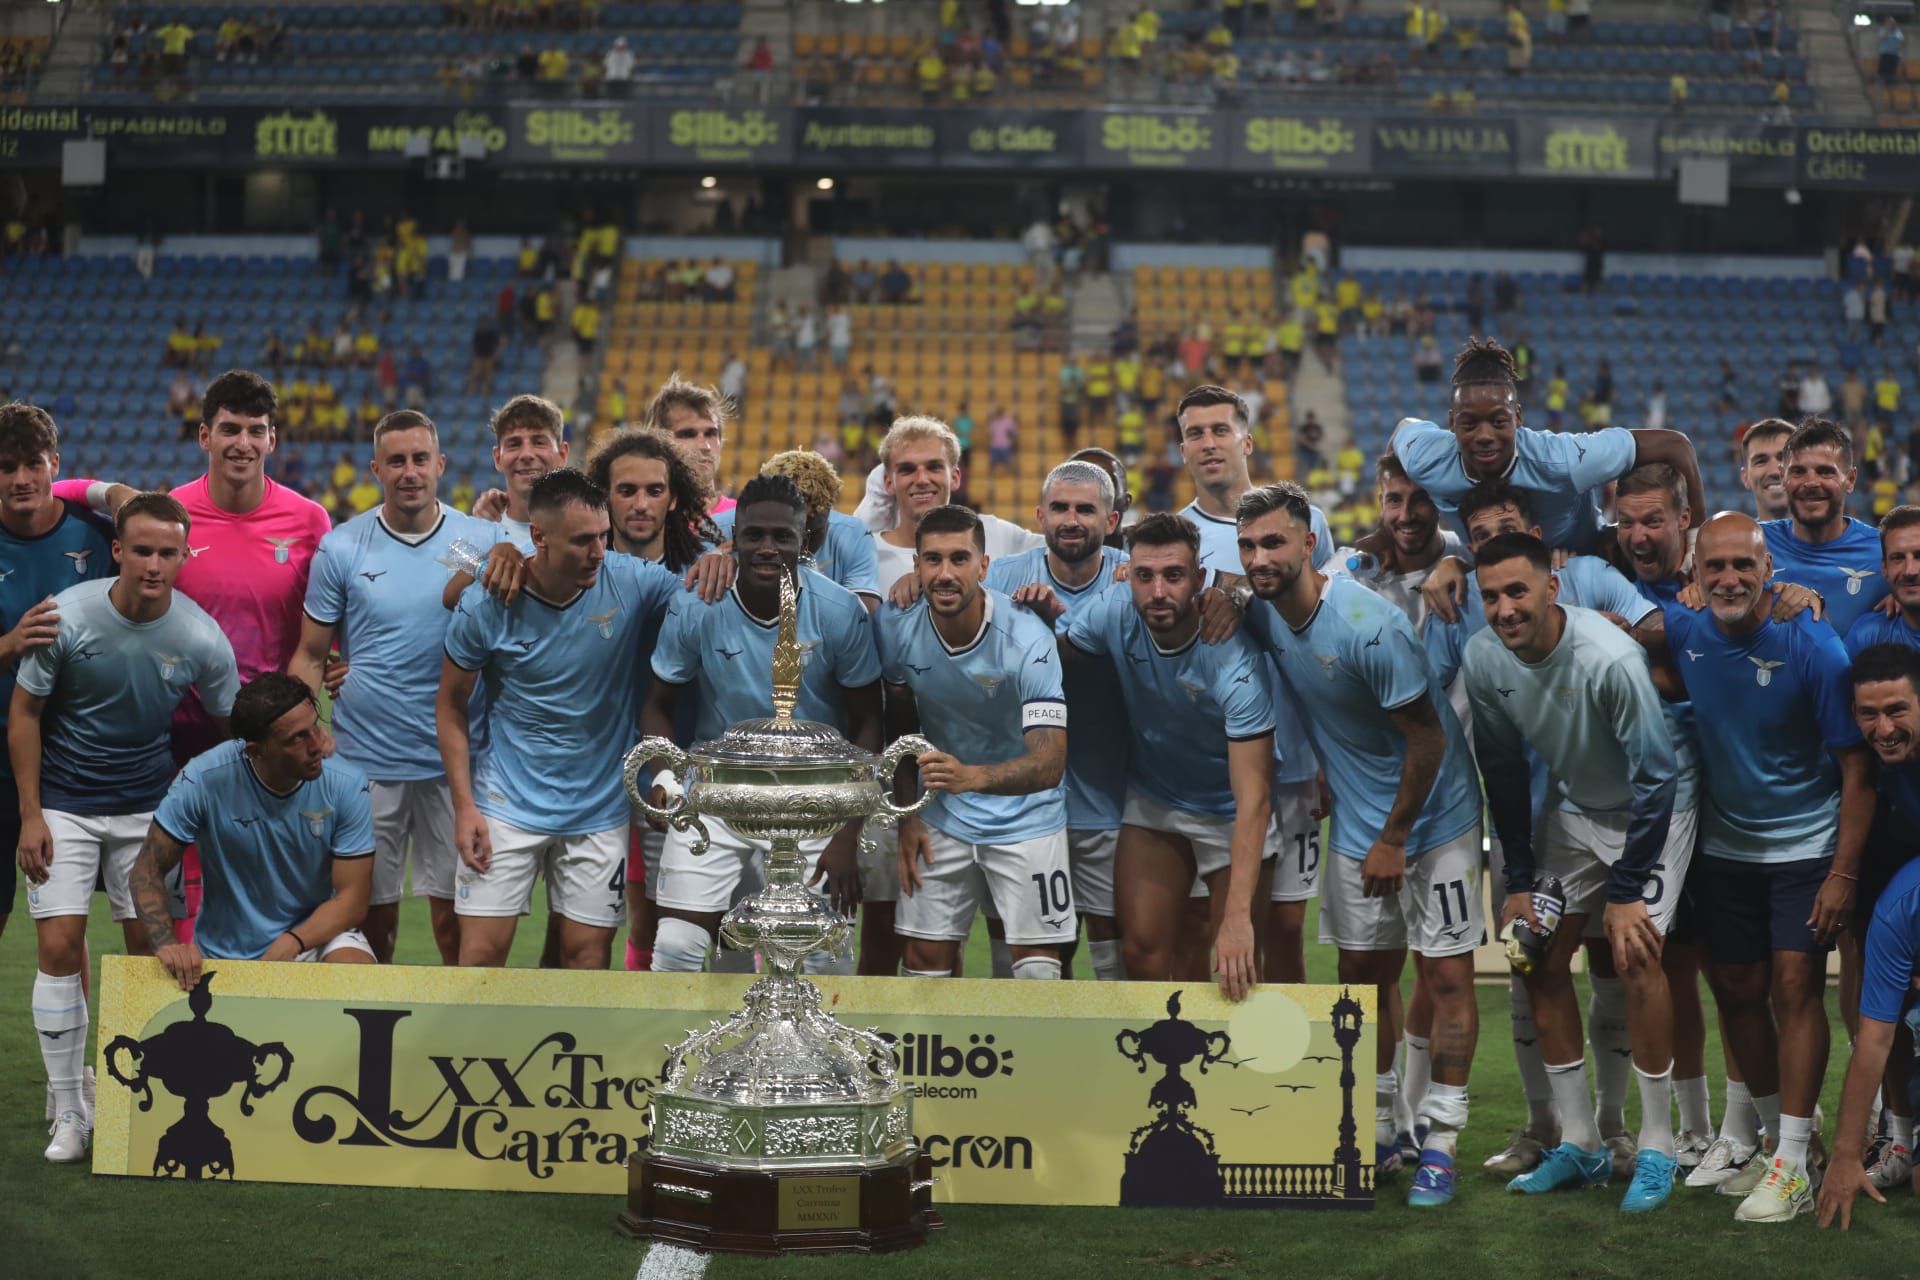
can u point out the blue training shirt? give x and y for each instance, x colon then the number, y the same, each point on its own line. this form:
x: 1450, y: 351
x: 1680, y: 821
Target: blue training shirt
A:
x: 1220, y: 552
x: 847, y: 556
x: 266, y: 860
x: 1780, y: 704
x: 1355, y: 660
x: 729, y: 652
x: 1892, y: 947
x: 79, y: 548
x: 111, y: 686
x: 1559, y: 471
x: 382, y: 592
x: 1097, y: 742
x: 1183, y: 705
x: 1873, y: 627
x: 976, y: 704
x: 1846, y: 571
x: 560, y: 684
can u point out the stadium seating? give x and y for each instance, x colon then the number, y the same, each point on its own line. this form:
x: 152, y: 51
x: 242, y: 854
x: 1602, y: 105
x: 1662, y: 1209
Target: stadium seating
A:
x: 90, y: 335
x: 353, y: 50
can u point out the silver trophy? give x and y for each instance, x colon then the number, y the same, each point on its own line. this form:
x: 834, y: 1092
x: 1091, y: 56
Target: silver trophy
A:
x: 779, y: 1129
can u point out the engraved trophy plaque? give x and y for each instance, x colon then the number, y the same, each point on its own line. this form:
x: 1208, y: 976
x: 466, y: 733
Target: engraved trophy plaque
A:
x: 778, y: 1130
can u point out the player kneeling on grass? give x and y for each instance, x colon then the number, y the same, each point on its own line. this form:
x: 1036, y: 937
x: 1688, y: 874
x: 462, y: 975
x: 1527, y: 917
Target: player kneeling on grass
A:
x: 286, y: 842
x: 1572, y: 686
x: 89, y: 735
x: 983, y: 677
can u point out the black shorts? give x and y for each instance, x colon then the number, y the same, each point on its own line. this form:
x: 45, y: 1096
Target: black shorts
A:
x: 1892, y: 842
x: 1748, y: 910
x: 9, y: 843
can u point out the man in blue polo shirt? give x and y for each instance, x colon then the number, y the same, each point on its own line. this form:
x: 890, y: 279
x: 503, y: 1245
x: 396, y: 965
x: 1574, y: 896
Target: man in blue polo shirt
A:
x: 1788, y: 800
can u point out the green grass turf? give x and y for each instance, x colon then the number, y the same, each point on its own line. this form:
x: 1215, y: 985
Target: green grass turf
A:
x: 61, y: 1222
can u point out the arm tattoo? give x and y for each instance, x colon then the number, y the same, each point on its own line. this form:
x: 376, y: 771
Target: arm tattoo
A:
x: 1024, y: 775
x: 148, y: 882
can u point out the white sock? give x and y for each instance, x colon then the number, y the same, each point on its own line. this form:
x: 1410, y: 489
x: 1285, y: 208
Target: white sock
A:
x: 1386, y: 1090
x: 1740, y: 1123
x: 1444, y: 1109
x: 1571, y: 1100
x: 927, y: 973
x: 1656, y: 1111
x: 1419, y: 1071
x: 60, y: 1018
x: 1696, y: 1105
x: 1768, y: 1109
x: 1402, y: 1109
x: 679, y: 946
x: 1900, y: 1129
x: 1037, y: 968
x: 1002, y: 957
x: 1612, y: 1053
x: 1795, y: 1131
x: 1105, y: 954
x: 1541, y: 1119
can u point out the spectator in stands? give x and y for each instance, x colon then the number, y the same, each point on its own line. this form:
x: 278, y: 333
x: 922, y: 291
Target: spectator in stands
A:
x: 806, y: 338
x: 1877, y: 311
x: 183, y: 398
x: 1039, y: 243
x: 174, y: 39
x: 760, y: 67
x: 1892, y: 45
x: 1427, y: 360
x: 1816, y: 398
x: 839, y: 336
x: 366, y: 346
x: 838, y: 287
x: 586, y: 325
x: 896, y: 285
x: 717, y: 281
x: 1593, y: 255
x: 1476, y: 303
x: 553, y: 66
x: 852, y: 404
x: 865, y: 280
x: 546, y: 310
x: 779, y: 334
x: 1519, y: 39
x: 1677, y: 93
x: 1073, y: 385
x: 416, y: 378
x: 1853, y: 401
x: 1853, y: 309
x: 1720, y: 23
x: 1002, y: 433
x: 181, y: 347
x: 1655, y: 416
x: 1579, y: 17
x: 616, y: 68
x: 486, y: 353
x: 733, y: 381
x: 932, y: 73
x: 1886, y: 397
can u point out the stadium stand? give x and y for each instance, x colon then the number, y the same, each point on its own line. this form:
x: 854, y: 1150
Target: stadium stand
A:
x: 349, y: 50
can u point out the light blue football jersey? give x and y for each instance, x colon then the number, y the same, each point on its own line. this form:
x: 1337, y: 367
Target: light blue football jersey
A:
x: 1779, y: 704
x: 111, y: 687
x: 1183, y: 705
x: 846, y: 556
x: 79, y: 548
x: 381, y: 591
x: 729, y: 652
x: 976, y: 704
x: 266, y: 860
x: 1220, y: 552
x: 1559, y: 471
x: 1355, y: 660
x: 1097, y: 742
x: 560, y: 691
x: 1846, y: 571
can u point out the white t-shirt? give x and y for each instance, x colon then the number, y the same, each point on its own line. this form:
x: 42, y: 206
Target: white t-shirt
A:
x: 1004, y: 538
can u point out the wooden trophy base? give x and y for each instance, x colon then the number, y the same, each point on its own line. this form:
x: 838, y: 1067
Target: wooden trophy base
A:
x: 788, y: 1211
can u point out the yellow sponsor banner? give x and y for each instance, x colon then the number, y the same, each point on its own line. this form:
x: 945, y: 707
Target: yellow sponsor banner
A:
x: 532, y: 1080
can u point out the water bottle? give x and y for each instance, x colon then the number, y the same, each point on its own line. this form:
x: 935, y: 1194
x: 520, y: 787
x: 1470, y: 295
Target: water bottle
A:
x: 1362, y: 564
x: 1525, y: 948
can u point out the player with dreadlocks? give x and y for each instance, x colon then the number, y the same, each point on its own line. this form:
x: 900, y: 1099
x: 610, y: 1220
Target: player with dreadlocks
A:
x: 1486, y: 439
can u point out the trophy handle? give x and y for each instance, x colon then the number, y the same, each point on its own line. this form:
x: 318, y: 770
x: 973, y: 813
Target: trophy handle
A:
x: 138, y: 1081
x: 907, y: 744
x: 257, y: 1088
x: 679, y: 816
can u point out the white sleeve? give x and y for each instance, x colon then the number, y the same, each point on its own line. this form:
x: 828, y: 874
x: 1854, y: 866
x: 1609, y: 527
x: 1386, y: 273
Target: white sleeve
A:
x: 876, y: 509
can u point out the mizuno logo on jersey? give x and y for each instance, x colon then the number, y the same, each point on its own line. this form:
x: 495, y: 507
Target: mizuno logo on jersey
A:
x: 245, y: 822
x: 282, y: 548
x: 1764, y: 676
x: 731, y: 654
x: 1854, y: 578
x: 604, y: 621
x: 84, y: 653
x: 317, y: 820
x: 1505, y: 693
x: 194, y: 553
x: 1374, y: 643
x: 1692, y: 656
x: 1137, y: 659
x: 79, y: 559
x: 5, y: 574
x: 374, y: 576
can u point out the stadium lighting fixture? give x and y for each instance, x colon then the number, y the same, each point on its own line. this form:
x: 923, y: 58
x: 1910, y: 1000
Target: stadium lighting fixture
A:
x: 709, y: 182
x: 1862, y: 20
x: 825, y: 184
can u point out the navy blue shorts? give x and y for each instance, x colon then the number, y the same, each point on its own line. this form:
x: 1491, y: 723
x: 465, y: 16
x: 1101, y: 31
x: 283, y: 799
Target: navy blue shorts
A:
x: 9, y: 843
x: 1748, y: 910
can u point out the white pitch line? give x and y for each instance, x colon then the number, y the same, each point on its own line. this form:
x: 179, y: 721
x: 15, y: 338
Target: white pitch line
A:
x: 671, y: 1262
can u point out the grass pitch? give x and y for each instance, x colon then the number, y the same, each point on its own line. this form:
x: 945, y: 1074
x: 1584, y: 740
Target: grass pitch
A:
x: 61, y: 1223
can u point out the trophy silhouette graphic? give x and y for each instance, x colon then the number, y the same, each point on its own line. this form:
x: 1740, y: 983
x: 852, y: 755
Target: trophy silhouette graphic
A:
x: 1171, y: 1160
x: 196, y: 1061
